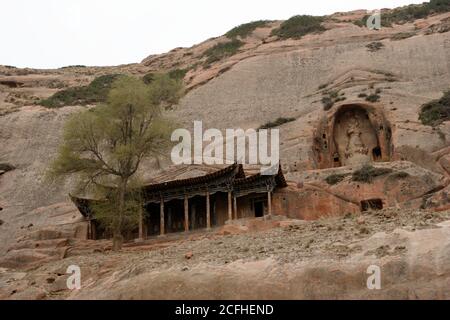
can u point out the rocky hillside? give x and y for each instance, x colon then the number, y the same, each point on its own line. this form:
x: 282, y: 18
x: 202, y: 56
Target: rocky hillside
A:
x: 251, y: 77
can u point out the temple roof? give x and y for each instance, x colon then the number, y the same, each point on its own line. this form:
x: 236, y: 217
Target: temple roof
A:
x: 185, y: 175
x: 191, y: 180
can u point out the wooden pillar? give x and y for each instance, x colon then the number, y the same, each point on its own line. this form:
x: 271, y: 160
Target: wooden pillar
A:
x: 141, y: 224
x: 161, y: 217
x: 186, y: 213
x: 235, y: 207
x: 269, y: 203
x: 208, y: 212
x: 93, y: 231
x: 230, y: 207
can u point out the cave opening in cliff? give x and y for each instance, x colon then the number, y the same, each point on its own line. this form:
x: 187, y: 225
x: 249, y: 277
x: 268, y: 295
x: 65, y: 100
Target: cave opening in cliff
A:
x: 355, y: 138
x: 376, y: 153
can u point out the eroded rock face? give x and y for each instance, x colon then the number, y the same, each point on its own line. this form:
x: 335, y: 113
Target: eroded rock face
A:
x: 405, y: 185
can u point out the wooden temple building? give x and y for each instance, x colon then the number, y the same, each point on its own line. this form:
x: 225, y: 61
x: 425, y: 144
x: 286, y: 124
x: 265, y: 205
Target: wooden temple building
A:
x: 186, y: 198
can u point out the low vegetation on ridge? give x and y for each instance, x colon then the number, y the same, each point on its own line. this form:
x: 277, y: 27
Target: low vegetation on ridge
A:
x: 298, y: 26
x: 409, y: 13
x: 436, y: 112
x: 244, y: 30
x: 95, y: 92
x: 222, y: 50
x: 278, y: 122
x: 368, y: 173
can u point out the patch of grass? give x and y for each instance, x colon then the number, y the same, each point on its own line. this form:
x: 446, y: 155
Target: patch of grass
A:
x: 374, y: 46
x: 95, y: 92
x: 74, y: 66
x: 222, y: 50
x: 278, y: 122
x: 149, y: 77
x: 177, y: 74
x: 368, y: 173
x: 436, y: 112
x: 328, y: 103
x: 374, y: 97
x: 244, y: 30
x: 335, y: 178
x: 298, y: 26
x: 413, y: 12
x: 402, y: 35
x: 400, y: 175
x: 330, y: 98
x: 362, y: 22
x: 409, y: 13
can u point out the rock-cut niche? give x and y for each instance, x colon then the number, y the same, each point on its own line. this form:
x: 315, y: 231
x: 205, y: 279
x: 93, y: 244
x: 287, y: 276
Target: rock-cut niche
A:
x: 353, y: 135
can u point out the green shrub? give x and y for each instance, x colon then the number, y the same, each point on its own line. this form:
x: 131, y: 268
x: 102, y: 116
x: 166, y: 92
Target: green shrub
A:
x: 374, y: 97
x: 177, y: 74
x: 335, y: 178
x: 327, y: 102
x: 149, y: 77
x: 276, y: 123
x: 367, y: 173
x: 244, y: 30
x: 362, y: 95
x: 95, y: 92
x: 362, y: 22
x: 375, y: 46
x: 74, y: 66
x: 400, y: 175
x: 437, y: 111
x: 330, y: 98
x: 222, y: 50
x: 402, y: 35
x: 298, y: 26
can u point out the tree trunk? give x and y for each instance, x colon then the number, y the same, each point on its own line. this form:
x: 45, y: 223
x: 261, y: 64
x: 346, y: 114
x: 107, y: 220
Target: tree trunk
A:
x: 118, y: 218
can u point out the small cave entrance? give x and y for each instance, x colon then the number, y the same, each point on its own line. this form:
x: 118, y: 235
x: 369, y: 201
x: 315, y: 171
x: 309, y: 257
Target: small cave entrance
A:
x: 376, y: 154
x: 355, y: 138
x: 371, y: 204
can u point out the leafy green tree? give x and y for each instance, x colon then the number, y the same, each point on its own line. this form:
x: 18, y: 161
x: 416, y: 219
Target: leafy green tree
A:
x: 105, y: 146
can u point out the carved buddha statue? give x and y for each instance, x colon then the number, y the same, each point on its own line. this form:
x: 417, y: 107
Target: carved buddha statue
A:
x: 354, y: 142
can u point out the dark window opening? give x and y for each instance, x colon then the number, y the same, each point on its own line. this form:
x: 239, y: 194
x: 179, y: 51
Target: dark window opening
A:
x: 324, y: 136
x: 376, y: 152
x: 371, y: 204
x: 259, y: 209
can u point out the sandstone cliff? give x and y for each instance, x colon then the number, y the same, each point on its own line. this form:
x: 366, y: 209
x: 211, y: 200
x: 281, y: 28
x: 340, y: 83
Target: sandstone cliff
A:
x: 266, y: 79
